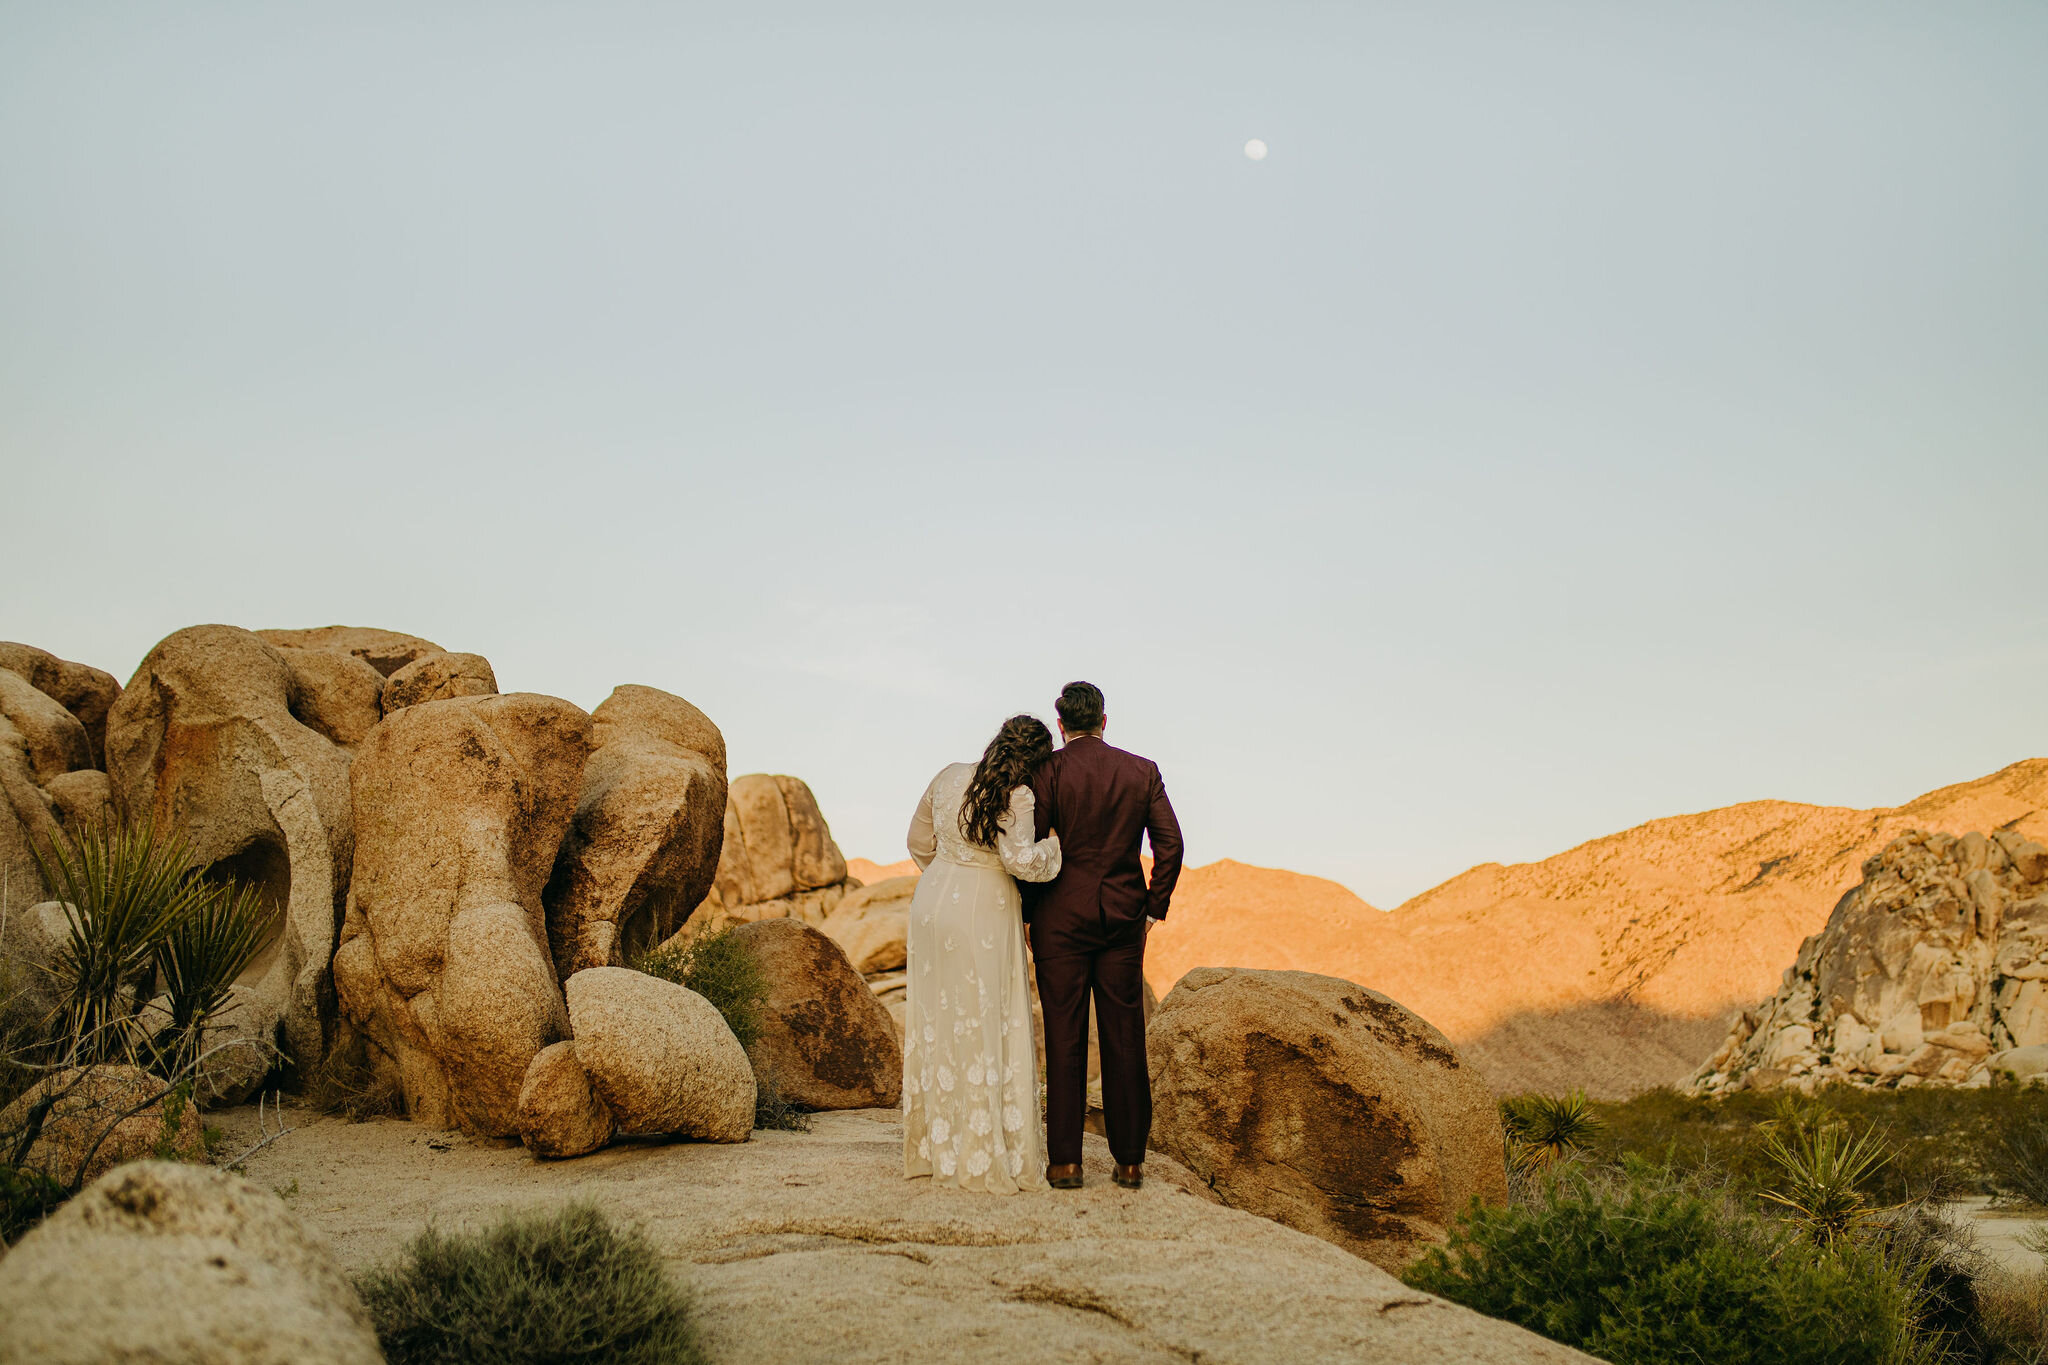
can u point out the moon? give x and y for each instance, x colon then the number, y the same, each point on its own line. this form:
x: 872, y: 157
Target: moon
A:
x: 1255, y: 150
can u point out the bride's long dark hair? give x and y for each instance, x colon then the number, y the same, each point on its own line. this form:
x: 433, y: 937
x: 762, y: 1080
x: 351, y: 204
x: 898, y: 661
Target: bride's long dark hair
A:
x: 1006, y: 764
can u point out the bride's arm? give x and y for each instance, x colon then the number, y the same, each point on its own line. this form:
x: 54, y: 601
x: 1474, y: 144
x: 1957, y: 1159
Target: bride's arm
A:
x: 1024, y: 859
x: 924, y: 835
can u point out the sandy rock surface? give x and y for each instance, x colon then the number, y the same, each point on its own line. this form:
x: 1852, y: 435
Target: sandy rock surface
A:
x: 204, y: 740
x: 644, y: 846
x: 1323, y: 1105
x: 660, y: 1056
x: 814, y: 1247
x: 830, y: 1043
x: 178, y: 1265
x: 443, y: 963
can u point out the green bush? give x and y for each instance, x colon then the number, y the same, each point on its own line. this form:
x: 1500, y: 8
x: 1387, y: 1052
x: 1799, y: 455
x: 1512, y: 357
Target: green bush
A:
x: 1639, y: 1269
x: 548, y: 1288
x: 721, y: 968
x: 2014, y: 1153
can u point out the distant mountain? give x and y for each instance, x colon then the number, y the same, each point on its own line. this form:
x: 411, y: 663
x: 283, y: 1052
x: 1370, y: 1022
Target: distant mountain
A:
x: 1616, y: 965
x: 868, y: 873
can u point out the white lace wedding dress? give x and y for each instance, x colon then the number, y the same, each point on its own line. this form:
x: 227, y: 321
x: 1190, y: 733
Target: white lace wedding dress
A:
x: 970, y: 1074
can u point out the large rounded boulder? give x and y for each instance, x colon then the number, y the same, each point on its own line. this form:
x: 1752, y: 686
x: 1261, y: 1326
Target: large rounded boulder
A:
x: 872, y: 925
x: 443, y: 964
x: 777, y: 858
x: 231, y: 742
x: 825, y: 1038
x: 660, y: 1057
x: 87, y: 693
x: 95, y: 1118
x: 179, y: 1265
x: 1322, y: 1105
x: 644, y: 845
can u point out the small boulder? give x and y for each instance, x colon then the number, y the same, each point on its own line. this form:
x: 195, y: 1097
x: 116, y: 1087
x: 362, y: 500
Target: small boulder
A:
x: 660, y: 1056
x: 32, y: 942
x: 387, y: 651
x: 1322, y: 1105
x: 432, y: 677
x: 86, y: 692
x: 336, y: 694
x: 559, y: 1114
x: 828, y: 1041
x: 2022, y: 1065
x: 100, y: 1117
x: 642, y: 849
x: 178, y: 1265
x: 872, y: 925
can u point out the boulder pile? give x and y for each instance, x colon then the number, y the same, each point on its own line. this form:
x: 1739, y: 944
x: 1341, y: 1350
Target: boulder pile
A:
x: 1934, y: 970
x: 777, y: 859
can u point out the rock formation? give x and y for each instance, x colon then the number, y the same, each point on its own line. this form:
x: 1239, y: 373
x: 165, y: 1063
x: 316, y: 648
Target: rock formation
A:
x: 645, y: 842
x: 1934, y: 963
x: 85, y: 692
x: 182, y: 1265
x: 660, y: 1057
x: 1615, y: 965
x: 88, y: 1128
x: 872, y: 925
x: 387, y: 651
x: 826, y: 1040
x: 46, y: 782
x: 208, y: 741
x: 460, y: 807
x: 432, y: 677
x: 1324, y: 1106
x: 777, y: 859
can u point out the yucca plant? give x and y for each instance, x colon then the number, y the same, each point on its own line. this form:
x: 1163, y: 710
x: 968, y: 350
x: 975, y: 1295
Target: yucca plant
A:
x: 140, y: 914
x: 199, y: 959
x: 1822, y: 1170
x: 1543, y: 1130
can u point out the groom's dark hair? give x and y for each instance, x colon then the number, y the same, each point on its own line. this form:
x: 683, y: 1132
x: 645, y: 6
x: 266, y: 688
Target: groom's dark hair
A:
x: 1080, y: 707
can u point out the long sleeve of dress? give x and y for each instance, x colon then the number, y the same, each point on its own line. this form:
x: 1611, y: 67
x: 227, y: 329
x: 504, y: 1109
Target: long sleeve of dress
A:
x: 923, y: 840
x: 1025, y: 858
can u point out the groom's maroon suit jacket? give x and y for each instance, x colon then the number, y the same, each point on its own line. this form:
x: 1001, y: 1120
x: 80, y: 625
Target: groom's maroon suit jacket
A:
x: 1101, y: 800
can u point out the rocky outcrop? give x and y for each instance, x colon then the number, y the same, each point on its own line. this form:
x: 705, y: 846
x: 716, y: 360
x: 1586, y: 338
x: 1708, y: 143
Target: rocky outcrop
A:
x: 1927, y: 971
x: 660, y: 1057
x: 86, y: 692
x: 642, y: 850
x: 206, y: 742
x: 336, y: 694
x: 41, y: 745
x: 825, y: 1038
x: 777, y: 859
x: 180, y: 1265
x: 559, y: 1114
x: 813, y: 1247
x: 387, y: 651
x: 443, y: 964
x: 432, y: 677
x: 95, y: 1118
x: 872, y: 925
x: 1324, y: 1106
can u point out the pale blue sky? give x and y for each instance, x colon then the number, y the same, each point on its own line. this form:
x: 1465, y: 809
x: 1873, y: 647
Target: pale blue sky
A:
x: 1588, y: 412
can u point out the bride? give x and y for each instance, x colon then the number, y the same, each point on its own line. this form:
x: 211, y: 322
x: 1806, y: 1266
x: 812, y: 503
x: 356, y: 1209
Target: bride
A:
x: 970, y: 1075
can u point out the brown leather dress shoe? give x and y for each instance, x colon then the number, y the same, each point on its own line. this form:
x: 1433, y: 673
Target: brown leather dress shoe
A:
x: 1063, y: 1177
x: 1130, y: 1177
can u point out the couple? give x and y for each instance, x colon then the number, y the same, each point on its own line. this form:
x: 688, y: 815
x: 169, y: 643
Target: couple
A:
x: 1068, y: 826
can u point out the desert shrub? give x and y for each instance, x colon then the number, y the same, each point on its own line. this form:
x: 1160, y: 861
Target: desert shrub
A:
x: 2013, y: 1308
x: 1640, y: 1269
x: 2014, y: 1153
x: 556, y: 1287
x: 348, y: 1086
x: 721, y: 968
x: 773, y: 1109
x: 26, y: 1198
x: 1822, y: 1170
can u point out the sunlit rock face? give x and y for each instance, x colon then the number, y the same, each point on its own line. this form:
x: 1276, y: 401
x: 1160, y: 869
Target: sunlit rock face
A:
x: 1929, y: 971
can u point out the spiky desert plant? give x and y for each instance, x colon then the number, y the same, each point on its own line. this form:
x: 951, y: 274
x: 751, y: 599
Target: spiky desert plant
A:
x: 1543, y: 1130
x: 1821, y: 1173
x: 200, y: 957
x: 124, y: 889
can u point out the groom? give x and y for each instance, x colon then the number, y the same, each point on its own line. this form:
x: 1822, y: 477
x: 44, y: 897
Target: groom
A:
x: 1088, y: 930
